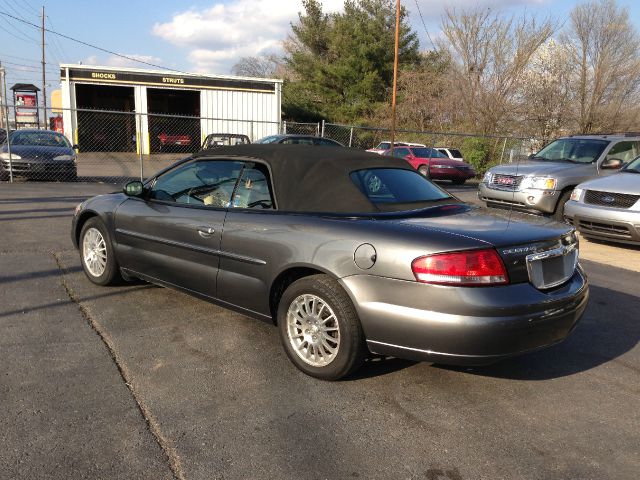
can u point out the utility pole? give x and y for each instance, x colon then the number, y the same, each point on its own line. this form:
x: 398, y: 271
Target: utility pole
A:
x: 44, y: 77
x: 6, y: 116
x: 3, y: 101
x: 395, y: 76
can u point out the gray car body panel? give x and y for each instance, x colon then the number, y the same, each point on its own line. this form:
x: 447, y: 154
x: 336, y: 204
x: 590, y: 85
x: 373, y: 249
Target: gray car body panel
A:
x: 239, y: 267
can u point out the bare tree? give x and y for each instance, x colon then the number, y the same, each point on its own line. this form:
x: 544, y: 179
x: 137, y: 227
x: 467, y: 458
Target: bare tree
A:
x: 605, y: 50
x: 547, y: 97
x: 267, y: 66
x: 491, y: 53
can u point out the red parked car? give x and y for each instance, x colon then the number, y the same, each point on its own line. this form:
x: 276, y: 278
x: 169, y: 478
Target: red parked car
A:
x: 174, y: 140
x: 435, y: 165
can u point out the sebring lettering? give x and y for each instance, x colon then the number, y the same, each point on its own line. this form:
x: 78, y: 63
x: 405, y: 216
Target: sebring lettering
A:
x: 103, y: 76
x: 172, y: 80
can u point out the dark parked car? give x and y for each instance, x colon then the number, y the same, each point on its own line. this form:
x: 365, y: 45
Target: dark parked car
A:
x: 39, y: 154
x: 347, y: 252
x: 215, y: 140
x: 300, y: 140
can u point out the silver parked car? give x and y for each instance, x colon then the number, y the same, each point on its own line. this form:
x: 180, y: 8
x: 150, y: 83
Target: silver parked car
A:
x: 608, y: 208
x: 347, y: 252
x: 545, y: 181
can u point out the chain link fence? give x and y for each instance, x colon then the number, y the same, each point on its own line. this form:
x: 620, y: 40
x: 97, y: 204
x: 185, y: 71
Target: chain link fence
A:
x: 481, y: 151
x: 115, y: 146
x: 111, y: 146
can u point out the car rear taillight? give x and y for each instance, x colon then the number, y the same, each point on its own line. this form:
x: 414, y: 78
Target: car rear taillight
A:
x: 468, y: 268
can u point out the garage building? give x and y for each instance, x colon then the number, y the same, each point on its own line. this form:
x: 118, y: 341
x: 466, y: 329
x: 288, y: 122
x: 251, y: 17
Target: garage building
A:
x: 127, y: 109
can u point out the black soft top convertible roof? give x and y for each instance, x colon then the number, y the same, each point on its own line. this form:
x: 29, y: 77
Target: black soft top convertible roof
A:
x: 313, y: 178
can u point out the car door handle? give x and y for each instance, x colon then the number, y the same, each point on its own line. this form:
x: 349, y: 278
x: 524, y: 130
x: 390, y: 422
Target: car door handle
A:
x: 205, y: 231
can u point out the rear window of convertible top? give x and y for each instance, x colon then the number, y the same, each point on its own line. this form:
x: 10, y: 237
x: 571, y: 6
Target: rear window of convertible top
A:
x: 388, y: 186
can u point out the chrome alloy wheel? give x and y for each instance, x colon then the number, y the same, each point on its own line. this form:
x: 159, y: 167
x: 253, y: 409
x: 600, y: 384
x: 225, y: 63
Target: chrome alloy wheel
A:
x: 313, y: 330
x: 94, y: 252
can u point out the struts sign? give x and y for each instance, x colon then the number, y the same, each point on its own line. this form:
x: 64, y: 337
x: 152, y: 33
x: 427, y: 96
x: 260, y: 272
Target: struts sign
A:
x: 159, y: 79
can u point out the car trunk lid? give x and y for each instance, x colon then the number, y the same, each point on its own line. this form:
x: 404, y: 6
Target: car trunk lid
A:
x: 544, y: 254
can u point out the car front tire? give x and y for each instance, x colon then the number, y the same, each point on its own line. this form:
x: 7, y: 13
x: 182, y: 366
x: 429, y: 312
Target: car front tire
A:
x: 558, y: 215
x: 319, y: 328
x: 96, y: 254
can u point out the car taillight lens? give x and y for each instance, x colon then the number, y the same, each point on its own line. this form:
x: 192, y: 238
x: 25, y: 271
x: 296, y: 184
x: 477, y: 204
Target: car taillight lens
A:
x: 468, y: 268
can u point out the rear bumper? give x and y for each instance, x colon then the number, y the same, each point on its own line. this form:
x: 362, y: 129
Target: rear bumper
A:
x: 464, y: 326
x: 528, y: 200
x: 602, y: 223
x: 450, y: 174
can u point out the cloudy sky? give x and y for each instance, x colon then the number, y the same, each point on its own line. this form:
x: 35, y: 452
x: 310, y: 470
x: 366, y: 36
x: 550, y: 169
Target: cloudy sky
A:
x: 206, y: 36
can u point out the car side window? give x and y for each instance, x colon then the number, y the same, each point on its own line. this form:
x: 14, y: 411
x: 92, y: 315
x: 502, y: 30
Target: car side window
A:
x: 401, y: 152
x: 204, y: 182
x: 297, y: 141
x: 325, y: 142
x: 253, y: 190
x: 625, y: 151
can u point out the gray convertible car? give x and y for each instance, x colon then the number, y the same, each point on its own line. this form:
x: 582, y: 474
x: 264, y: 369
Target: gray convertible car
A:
x: 348, y: 252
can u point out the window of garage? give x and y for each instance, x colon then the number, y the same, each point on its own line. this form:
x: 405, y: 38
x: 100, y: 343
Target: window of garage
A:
x: 103, y: 125
x: 174, y: 123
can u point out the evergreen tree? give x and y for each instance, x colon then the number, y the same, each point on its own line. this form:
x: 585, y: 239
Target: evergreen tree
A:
x: 342, y: 63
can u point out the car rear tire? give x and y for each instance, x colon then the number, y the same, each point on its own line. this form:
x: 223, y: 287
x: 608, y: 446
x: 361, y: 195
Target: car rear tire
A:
x: 559, y: 213
x: 319, y: 328
x: 96, y: 254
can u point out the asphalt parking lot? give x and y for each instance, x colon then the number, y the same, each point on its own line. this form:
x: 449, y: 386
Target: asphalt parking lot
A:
x: 143, y: 382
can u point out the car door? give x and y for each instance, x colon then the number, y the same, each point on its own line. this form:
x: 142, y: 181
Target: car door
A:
x: 251, y: 242
x: 173, y: 233
x: 624, y: 151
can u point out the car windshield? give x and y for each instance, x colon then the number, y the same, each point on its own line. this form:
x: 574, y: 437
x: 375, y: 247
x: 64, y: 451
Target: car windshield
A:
x: 222, y: 140
x: 428, y: 153
x: 41, y: 139
x: 269, y: 139
x: 397, y: 188
x: 455, y: 153
x: 576, y: 150
x: 633, y: 166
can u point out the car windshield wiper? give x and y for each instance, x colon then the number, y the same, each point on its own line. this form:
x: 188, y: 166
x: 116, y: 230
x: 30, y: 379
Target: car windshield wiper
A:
x: 631, y: 170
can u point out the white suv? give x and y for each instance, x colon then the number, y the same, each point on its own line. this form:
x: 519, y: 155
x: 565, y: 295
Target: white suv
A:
x: 452, y: 153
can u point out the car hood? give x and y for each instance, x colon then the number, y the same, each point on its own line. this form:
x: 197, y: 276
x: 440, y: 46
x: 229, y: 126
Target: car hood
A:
x: 37, y: 153
x: 532, y: 167
x: 621, y: 182
x: 491, y: 229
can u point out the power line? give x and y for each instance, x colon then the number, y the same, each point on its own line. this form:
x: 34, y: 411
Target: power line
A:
x: 86, y: 44
x: 19, y: 58
x: 35, y: 68
x: 425, y: 25
x: 56, y: 42
x: 19, y: 34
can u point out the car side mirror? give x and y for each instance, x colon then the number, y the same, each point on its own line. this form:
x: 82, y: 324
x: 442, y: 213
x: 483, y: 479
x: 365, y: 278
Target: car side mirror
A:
x: 612, y: 164
x: 133, y: 189
x: 531, y: 155
x: 76, y: 147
